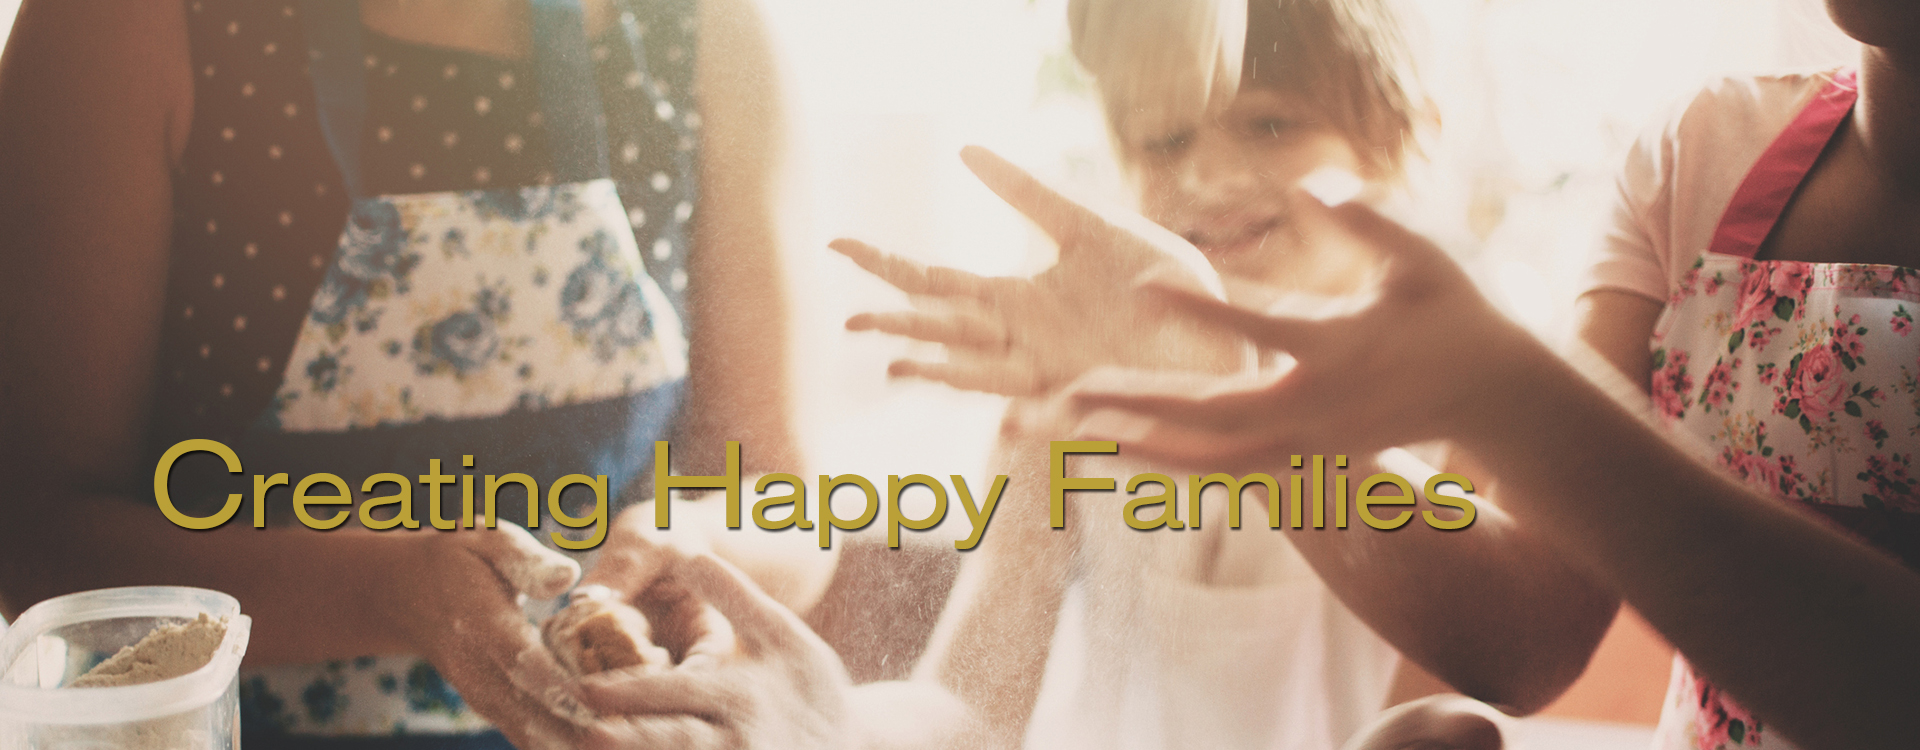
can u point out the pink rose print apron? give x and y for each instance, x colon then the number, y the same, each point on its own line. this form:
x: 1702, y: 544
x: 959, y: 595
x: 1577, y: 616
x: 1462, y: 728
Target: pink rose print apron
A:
x: 1799, y: 378
x: 518, y: 325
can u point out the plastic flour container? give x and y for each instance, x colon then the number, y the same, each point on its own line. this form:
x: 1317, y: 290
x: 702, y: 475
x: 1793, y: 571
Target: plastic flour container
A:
x: 62, y: 638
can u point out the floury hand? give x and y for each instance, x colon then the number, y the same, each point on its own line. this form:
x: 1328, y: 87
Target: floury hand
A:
x: 754, y: 676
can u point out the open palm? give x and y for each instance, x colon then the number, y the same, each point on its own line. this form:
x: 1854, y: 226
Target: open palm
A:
x: 1029, y: 336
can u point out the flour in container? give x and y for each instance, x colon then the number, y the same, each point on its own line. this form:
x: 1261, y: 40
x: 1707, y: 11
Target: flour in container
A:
x: 168, y: 652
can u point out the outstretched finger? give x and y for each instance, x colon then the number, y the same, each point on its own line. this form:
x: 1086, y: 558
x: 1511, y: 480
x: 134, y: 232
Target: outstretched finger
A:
x: 1059, y: 216
x: 997, y: 379
x: 910, y: 276
x: 956, y: 328
x: 1212, y: 402
x: 1291, y: 335
x: 632, y: 692
x: 1365, y: 222
x: 1224, y: 412
x: 1172, y: 443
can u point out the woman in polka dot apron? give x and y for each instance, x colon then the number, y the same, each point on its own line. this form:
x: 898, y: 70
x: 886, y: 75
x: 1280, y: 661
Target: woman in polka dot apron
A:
x: 358, y: 238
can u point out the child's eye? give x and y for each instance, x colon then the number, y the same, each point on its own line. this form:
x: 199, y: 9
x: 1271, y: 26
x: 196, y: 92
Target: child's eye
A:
x: 1170, y: 144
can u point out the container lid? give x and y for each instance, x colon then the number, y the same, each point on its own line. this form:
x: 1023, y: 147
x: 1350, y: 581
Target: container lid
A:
x: 27, y: 689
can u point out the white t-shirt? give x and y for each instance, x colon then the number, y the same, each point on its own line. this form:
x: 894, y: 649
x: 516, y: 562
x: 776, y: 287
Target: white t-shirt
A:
x: 1679, y: 178
x: 1203, y: 638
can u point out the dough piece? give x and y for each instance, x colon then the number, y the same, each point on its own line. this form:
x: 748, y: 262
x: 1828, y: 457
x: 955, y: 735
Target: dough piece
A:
x: 597, y: 632
x: 168, y: 652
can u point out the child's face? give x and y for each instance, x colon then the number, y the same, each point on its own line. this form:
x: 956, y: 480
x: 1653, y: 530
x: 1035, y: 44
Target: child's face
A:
x: 1223, y: 183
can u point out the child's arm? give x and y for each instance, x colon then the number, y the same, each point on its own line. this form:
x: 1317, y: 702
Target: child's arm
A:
x: 1806, y: 625
x: 991, y: 645
x: 1512, y: 646
x: 1466, y: 605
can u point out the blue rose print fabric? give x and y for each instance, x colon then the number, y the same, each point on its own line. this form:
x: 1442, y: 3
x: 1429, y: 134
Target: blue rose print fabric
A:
x: 474, y: 304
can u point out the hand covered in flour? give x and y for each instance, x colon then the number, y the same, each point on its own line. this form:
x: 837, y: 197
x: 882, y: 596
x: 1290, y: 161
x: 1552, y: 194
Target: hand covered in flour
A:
x: 1419, y: 358
x: 718, y: 663
x: 758, y: 678
x: 456, y: 601
x: 1030, y: 336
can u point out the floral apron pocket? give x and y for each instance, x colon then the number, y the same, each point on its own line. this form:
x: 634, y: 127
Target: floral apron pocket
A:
x: 464, y: 305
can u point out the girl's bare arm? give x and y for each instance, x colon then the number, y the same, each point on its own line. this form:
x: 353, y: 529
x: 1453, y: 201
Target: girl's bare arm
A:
x: 1805, y: 625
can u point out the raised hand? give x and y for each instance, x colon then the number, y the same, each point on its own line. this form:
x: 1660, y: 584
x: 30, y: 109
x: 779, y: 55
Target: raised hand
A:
x: 1409, y: 365
x: 1030, y: 336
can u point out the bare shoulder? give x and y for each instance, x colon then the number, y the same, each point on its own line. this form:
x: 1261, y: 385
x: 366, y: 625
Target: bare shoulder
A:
x: 108, y: 68
x: 94, y: 108
x: 736, y: 58
x: 737, y: 89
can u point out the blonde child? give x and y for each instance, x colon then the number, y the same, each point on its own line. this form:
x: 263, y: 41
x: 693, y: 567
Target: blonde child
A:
x: 1211, y: 637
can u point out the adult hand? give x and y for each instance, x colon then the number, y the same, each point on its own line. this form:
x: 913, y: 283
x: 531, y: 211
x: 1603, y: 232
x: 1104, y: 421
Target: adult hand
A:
x: 759, y: 678
x: 1030, y: 336
x: 636, y: 564
x: 1413, y: 363
x: 457, y: 603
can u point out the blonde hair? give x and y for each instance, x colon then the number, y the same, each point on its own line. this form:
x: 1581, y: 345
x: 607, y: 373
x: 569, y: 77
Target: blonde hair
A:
x: 1173, y: 58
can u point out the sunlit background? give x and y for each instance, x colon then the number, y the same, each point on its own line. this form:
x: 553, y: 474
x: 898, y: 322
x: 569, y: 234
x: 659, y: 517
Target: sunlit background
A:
x: 1539, y: 99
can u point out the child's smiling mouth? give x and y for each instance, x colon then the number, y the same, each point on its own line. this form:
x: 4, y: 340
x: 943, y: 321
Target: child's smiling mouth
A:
x: 1236, y: 244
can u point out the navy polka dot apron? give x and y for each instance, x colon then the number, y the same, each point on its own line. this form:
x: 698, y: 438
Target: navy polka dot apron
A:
x: 519, y: 325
